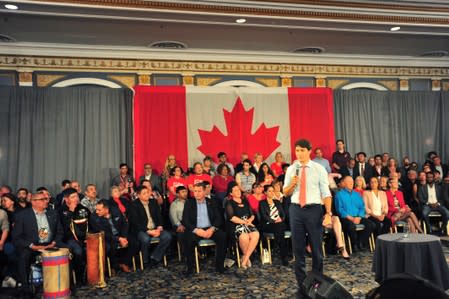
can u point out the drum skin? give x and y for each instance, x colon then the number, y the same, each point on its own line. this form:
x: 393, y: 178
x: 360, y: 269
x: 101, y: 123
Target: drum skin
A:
x: 56, y: 273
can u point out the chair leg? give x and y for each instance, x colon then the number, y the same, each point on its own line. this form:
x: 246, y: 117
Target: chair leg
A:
x: 237, y: 253
x: 372, y: 246
x: 349, y: 245
x: 196, y: 260
x: 141, y: 260
x: 109, y: 267
x: 74, y: 277
x: 261, y: 251
x: 179, y: 250
x: 165, y: 261
x: 134, y: 263
x: 269, y: 251
x: 323, y: 249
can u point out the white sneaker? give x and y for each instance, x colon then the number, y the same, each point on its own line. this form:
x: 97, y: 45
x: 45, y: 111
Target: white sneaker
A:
x: 229, y: 263
x: 9, y: 282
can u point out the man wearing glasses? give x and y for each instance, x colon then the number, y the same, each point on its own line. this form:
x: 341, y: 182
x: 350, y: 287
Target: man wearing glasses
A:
x: 35, y: 229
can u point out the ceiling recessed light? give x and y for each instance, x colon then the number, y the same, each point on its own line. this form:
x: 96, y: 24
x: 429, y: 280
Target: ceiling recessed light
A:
x: 240, y: 21
x: 397, y: 28
x: 11, y: 6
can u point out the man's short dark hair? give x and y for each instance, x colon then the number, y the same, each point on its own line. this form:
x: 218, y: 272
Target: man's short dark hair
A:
x: 378, y: 156
x: 180, y: 188
x: 10, y: 196
x: 285, y: 165
x: 104, y: 203
x: 123, y: 164
x: 23, y: 189
x: 361, y: 153
x: 41, y: 188
x: 304, y: 143
x: 144, y: 180
x: 65, y: 182
x: 220, y: 154
x: 202, y: 185
x: 195, y: 164
x: 340, y: 140
x: 246, y: 161
x: 69, y: 191
x: 172, y: 171
x: 140, y: 188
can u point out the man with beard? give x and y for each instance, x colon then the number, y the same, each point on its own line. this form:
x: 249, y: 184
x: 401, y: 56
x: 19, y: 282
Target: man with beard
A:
x: 22, y: 198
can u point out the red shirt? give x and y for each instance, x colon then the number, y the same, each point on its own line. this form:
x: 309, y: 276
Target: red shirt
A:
x: 175, y: 182
x: 221, y: 183
x: 277, y: 169
x: 198, y: 178
x: 254, y: 203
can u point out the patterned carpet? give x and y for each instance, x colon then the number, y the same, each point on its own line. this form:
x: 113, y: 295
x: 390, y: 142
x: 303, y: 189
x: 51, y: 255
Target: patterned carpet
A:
x: 260, y: 281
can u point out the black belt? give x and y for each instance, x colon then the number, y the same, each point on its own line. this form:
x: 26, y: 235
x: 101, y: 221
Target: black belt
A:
x: 308, y: 206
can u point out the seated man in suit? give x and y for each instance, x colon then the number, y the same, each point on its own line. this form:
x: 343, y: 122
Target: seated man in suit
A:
x: 349, y: 169
x: 431, y: 197
x: 120, y: 246
x: 35, y: 229
x: 154, y: 179
x: 145, y: 221
x: 351, y: 209
x: 202, y: 220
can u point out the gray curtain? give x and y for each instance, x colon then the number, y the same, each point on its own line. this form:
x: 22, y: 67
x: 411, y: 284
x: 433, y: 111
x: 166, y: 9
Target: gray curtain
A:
x: 401, y: 123
x: 50, y: 134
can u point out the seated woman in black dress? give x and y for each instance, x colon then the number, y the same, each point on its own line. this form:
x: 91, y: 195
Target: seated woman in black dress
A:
x: 240, y: 221
x: 272, y: 218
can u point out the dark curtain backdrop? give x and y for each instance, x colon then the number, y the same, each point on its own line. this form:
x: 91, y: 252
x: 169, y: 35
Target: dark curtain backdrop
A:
x: 401, y: 123
x: 50, y: 134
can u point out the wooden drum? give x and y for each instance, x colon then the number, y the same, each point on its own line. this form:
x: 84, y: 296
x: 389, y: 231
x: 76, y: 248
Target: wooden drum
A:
x: 56, y: 273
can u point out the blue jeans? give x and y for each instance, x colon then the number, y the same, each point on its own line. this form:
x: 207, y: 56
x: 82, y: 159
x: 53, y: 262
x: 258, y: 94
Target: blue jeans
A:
x: 157, y: 254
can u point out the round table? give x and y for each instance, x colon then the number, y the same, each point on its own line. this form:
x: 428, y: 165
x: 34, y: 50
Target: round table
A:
x: 416, y: 254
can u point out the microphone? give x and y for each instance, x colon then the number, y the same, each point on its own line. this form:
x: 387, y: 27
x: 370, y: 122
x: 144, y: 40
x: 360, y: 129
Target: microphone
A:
x: 297, y: 169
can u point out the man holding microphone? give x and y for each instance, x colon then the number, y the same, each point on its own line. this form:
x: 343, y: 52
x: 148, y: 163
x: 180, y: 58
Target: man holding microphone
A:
x: 307, y: 183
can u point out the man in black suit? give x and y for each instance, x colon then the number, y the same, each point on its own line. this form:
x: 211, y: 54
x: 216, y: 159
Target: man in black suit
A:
x: 379, y: 170
x: 145, y: 221
x: 431, y: 197
x: 120, y: 246
x: 202, y: 220
x: 442, y: 168
x: 362, y: 168
x: 35, y: 229
x: 349, y: 169
x: 155, y: 180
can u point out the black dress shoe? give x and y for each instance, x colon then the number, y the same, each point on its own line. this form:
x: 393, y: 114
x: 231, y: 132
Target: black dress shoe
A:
x: 153, y: 263
x: 284, y: 262
x: 188, y: 273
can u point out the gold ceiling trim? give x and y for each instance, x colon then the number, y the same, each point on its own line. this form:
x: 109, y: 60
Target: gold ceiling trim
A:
x: 278, y: 12
x: 207, y: 67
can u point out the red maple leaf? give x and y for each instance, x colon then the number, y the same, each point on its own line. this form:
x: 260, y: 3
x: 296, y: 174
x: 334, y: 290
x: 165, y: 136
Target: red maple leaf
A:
x: 239, y: 139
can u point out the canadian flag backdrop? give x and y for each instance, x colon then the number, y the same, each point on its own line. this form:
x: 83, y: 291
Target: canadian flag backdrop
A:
x: 191, y: 122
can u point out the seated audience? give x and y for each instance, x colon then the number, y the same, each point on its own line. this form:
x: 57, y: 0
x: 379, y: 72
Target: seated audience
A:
x: 245, y: 179
x: 145, y: 223
x: 272, y: 220
x: 349, y: 169
x: 256, y: 197
x: 258, y: 160
x: 119, y: 202
x: 351, y: 209
x: 149, y: 175
x: 276, y: 166
x: 240, y: 222
x: 221, y: 181
x: 322, y: 161
x: 359, y: 185
x: 124, y: 181
x: 239, y: 167
x: 197, y: 177
x: 362, y: 168
x: 120, y: 246
x: 35, y: 229
x: 74, y: 221
x: 376, y: 207
x: 383, y: 183
x: 23, y: 199
x: 176, y: 210
x: 208, y: 166
x: 223, y: 159
x: 202, y: 221
x: 378, y: 169
x: 398, y: 210
x: 176, y: 179
x: 265, y: 175
x: 431, y: 198
x: 90, y: 199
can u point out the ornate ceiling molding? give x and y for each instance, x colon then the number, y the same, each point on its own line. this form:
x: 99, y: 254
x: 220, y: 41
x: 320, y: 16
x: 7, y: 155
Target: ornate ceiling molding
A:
x: 17, y: 62
x: 298, y: 11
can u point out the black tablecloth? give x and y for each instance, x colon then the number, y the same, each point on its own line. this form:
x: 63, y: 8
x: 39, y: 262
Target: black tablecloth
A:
x: 417, y: 254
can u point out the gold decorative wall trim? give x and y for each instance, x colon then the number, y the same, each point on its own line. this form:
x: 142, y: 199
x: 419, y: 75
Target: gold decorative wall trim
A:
x: 283, y: 12
x: 44, y: 80
x: 25, y: 77
x: 436, y: 84
x: 445, y: 85
x: 390, y: 84
x: 336, y: 83
x: 403, y: 84
x: 286, y: 81
x: 207, y: 81
x: 127, y: 80
x: 269, y: 82
x: 144, y: 79
x: 206, y: 67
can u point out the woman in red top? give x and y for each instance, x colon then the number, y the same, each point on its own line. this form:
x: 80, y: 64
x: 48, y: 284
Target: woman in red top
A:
x: 118, y: 201
x: 398, y: 210
x: 197, y: 177
x: 265, y: 175
x: 221, y: 181
x: 176, y: 179
x: 276, y: 166
x: 360, y: 185
x: 255, y: 197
